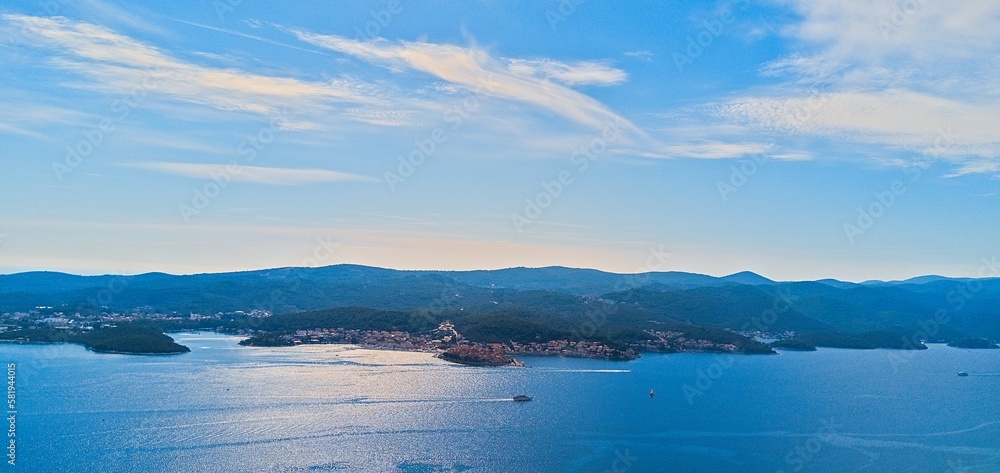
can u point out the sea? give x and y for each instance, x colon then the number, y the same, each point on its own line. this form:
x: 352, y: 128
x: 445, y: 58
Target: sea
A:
x: 341, y: 408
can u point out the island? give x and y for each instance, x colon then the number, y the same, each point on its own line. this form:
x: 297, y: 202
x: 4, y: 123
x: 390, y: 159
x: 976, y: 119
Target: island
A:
x: 857, y: 341
x: 973, y: 342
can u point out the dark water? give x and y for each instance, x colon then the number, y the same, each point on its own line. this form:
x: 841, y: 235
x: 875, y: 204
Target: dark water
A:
x: 225, y: 408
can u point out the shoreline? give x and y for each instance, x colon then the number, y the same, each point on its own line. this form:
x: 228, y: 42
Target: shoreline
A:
x: 438, y: 353
x: 110, y: 352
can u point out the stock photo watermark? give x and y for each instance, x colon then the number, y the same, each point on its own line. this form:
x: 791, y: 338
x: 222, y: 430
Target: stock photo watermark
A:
x: 30, y: 25
x: 885, y: 199
x: 12, y: 385
x: 96, y: 135
x: 622, y: 462
x: 424, y: 148
x: 220, y: 179
x: 705, y: 378
x: 697, y: 44
x: 596, y: 316
x: 901, y: 14
x: 806, y: 451
x: 958, y: 297
x: 563, y: 10
x: 740, y: 174
x: 581, y: 160
x: 322, y: 252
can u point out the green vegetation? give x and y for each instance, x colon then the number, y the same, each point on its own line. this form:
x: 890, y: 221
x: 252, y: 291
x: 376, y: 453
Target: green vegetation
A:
x: 859, y: 341
x: 487, y: 326
x: 526, y: 305
x: 502, y: 328
x: 636, y: 301
x: 793, y: 344
x: 39, y: 335
x: 267, y: 340
x: 978, y: 343
x: 135, y: 339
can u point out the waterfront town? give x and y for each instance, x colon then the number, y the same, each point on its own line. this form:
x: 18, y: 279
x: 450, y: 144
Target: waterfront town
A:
x: 445, y: 340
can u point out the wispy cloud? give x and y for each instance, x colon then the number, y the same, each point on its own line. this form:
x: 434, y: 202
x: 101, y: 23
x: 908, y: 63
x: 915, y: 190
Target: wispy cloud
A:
x: 26, y: 117
x: 108, y: 12
x: 873, y: 73
x: 247, y: 36
x: 642, y: 55
x: 256, y: 174
x: 577, y: 73
x: 117, y: 63
x: 706, y: 150
x: 474, y: 69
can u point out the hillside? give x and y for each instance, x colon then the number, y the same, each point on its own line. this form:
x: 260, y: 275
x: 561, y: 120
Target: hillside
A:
x: 932, y: 308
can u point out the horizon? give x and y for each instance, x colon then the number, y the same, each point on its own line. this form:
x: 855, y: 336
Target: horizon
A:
x: 806, y: 140
x: 718, y: 276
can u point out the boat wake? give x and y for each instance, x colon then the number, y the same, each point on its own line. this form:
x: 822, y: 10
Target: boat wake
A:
x: 560, y: 370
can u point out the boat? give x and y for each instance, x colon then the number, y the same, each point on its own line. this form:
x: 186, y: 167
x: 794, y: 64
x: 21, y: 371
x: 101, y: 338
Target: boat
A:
x: 522, y: 398
x: 963, y: 373
x: 652, y: 393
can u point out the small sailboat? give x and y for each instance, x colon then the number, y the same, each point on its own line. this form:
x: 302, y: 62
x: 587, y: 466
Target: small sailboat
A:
x: 522, y: 398
x: 652, y: 393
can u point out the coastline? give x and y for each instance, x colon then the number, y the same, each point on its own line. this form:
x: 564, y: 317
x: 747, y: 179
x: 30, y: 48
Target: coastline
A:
x: 111, y: 352
x: 119, y: 352
x: 436, y: 353
x: 439, y: 353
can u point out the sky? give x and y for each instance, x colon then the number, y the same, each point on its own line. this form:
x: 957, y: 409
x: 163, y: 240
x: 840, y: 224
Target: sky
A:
x: 799, y: 139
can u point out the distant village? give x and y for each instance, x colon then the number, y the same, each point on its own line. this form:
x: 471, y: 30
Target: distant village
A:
x: 46, y: 317
x: 444, y: 340
x: 446, y: 337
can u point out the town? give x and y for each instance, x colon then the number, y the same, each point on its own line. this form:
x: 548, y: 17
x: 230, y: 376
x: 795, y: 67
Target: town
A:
x: 445, y: 340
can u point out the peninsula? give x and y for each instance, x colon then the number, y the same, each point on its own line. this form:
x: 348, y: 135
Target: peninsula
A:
x: 512, y: 312
x: 131, y: 339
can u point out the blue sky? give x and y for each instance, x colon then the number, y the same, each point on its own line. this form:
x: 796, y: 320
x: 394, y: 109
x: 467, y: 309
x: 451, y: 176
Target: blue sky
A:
x: 797, y: 139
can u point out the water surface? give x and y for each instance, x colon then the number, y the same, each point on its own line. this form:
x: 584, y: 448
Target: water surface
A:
x: 320, y: 408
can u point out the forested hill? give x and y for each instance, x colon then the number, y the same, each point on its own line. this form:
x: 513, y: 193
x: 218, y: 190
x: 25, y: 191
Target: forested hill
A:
x: 941, y: 308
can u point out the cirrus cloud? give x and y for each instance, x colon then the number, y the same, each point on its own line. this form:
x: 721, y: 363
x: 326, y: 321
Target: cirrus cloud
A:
x: 255, y: 174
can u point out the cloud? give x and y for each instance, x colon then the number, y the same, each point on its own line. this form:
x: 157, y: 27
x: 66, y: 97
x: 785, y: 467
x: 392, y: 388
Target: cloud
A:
x: 111, y: 13
x: 117, y: 63
x: 473, y: 69
x: 256, y: 174
x: 917, y: 80
x: 874, y: 30
x: 577, y: 73
x: 707, y: 149
x: 979, y: 167
x: 247, y: 36
x: 25, y: 114
x: 645, y: 56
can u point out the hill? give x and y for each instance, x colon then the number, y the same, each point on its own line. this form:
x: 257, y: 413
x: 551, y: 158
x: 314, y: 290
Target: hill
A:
x: 607, y: 304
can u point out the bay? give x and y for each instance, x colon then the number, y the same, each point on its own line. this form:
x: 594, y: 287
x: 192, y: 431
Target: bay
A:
x: 321, y: 408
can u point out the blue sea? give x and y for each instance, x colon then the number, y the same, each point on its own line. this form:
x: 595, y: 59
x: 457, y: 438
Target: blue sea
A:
x: 332, y: 408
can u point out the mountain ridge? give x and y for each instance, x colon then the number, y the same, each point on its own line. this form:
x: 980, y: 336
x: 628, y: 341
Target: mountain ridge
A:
x: 743, y: 301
